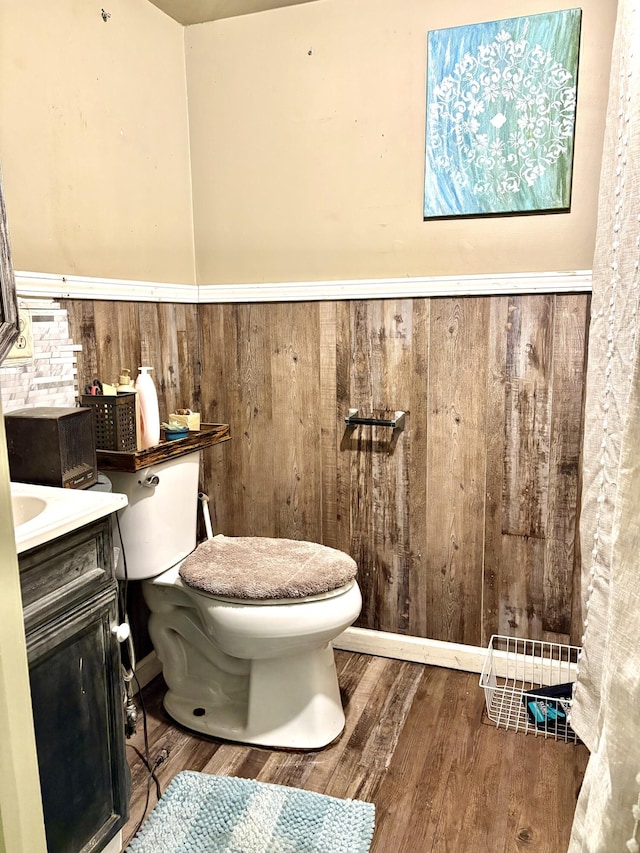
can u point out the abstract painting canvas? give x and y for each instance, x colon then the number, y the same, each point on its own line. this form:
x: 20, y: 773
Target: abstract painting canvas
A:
x: 501, y: 108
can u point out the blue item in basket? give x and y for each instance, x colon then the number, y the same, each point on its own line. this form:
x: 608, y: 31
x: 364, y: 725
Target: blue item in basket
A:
x: 547, y: 707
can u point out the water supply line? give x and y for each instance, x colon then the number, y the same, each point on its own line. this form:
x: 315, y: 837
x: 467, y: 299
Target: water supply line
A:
x: 122, y: 633
x: 204, y: 500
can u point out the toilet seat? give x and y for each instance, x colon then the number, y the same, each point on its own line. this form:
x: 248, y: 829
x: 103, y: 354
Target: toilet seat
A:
x: 262, y: 569
x: 172, y: 577
x: 270, y: 602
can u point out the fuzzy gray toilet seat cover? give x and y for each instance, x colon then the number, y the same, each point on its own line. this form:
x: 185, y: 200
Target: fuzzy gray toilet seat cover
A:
x: 260, y: 568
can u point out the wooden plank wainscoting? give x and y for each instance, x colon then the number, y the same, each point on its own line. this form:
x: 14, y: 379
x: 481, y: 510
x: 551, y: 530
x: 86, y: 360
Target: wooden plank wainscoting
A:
x: 130, y: 334
x: 464, y: 523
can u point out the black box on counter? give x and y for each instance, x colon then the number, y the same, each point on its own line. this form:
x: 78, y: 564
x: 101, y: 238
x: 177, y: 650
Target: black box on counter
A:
x: 52, y: 446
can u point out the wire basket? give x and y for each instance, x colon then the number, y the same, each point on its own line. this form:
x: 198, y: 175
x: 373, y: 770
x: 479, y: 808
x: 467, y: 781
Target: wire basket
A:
x: 528, y: 686
x: 114, y: 418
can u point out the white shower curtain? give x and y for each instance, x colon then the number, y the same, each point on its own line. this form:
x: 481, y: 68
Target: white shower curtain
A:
x: 606, y: 711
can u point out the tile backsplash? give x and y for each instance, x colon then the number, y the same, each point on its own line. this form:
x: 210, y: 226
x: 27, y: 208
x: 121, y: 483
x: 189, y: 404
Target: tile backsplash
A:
x: 50, y: 376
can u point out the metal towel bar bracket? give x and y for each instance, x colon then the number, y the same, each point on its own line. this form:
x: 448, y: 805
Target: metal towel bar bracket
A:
x: 352, y: 419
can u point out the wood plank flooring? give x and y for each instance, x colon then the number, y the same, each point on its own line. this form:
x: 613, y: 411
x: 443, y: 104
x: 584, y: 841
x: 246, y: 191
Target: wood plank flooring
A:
x: 417, y: 744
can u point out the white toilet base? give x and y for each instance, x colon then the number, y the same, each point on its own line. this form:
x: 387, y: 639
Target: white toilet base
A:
x: 269, y: 676
x: 309, y: 716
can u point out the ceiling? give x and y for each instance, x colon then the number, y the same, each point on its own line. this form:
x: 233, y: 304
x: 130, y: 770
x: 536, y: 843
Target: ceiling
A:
x: 199, y: 11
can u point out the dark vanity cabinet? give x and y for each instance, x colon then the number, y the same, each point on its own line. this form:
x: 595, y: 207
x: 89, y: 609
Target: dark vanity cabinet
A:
x: 70, y: 607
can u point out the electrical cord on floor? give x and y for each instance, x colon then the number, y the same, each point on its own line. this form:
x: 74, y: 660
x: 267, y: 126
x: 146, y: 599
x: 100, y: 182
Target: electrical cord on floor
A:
x: 151, y: 768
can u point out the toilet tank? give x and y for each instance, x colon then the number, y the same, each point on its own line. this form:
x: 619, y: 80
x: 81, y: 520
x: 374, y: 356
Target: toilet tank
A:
x: 157, y: 528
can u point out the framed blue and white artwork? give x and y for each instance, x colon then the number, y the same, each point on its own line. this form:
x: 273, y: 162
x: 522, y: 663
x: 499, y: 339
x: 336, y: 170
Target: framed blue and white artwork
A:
x: 501, y: 110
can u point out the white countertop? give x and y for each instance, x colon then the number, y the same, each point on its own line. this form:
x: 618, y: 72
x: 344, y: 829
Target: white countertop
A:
x: 59, y: 511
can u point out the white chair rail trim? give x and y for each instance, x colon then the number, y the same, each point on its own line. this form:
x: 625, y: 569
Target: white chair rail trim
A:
x: 36, y: 284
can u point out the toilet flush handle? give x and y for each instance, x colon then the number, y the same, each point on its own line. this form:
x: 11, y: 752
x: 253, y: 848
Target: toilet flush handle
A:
x: 150, y: 482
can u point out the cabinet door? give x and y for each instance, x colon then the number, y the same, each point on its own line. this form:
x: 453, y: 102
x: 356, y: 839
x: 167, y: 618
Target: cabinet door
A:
x: 74, y: 665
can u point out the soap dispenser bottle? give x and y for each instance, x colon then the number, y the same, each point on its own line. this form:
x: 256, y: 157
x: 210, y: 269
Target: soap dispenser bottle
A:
x: 148, y: 406
x: 125, y: 382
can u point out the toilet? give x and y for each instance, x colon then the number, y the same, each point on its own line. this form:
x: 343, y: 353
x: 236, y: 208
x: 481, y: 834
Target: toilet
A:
x: 243, y: 626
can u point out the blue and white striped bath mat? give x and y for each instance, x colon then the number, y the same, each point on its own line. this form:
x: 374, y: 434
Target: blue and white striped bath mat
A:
x: 200, y: 813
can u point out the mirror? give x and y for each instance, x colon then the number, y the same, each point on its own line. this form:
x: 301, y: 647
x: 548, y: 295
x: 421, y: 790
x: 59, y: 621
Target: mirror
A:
x: 8, y: 299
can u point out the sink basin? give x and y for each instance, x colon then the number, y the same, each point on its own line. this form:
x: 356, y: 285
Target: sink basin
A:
x: 42, y: 513
x: 25, y: 508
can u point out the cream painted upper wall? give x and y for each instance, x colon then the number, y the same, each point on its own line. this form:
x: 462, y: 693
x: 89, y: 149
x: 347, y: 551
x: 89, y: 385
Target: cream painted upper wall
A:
x: 94, y: 139
x: 307, y: 135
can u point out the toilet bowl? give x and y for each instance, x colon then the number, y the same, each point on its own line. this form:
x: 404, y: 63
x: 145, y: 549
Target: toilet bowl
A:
x: 261, y: 673
x: 244, y: 657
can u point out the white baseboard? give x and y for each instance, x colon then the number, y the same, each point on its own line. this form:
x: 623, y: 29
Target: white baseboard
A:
x: 379, y: 643
x: 115, y: 845
x: 534, y: 662
x: 537, y: 662
x: 146, y: 670
x: 414, y: 649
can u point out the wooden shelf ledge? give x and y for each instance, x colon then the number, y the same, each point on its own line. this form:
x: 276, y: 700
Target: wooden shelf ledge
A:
x: 206, y: 436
